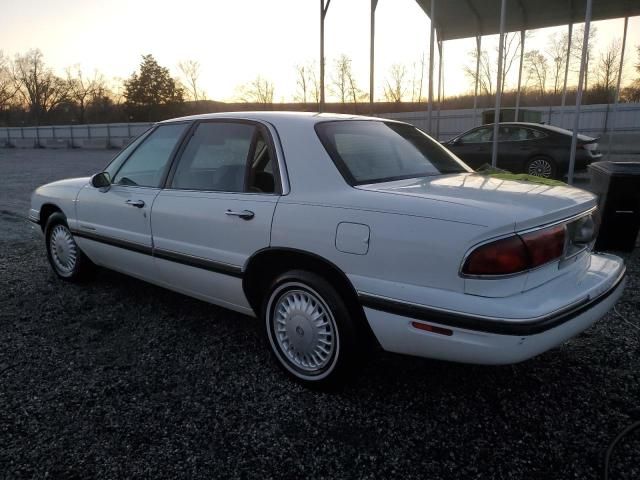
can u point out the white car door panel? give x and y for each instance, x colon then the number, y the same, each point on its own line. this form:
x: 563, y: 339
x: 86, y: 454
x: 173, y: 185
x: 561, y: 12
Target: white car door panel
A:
x: 112, y: 231
x: 114, y: 224
x: 199, y: 246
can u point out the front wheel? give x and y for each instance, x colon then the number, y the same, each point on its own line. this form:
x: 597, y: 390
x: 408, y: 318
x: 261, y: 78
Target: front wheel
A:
x: 309, y: 329
x: 542, y: 167
x: 66, y: 258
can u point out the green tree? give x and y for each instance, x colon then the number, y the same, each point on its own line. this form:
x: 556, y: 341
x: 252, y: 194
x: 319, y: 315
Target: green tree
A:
x: 151, y: 93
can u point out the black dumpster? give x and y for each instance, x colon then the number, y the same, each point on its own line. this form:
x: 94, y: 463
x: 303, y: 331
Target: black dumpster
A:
x: 617, y: 185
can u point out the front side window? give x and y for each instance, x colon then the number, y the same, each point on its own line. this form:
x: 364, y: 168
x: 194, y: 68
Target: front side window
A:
x: 115, y: 164
x: 146, y: 165
x: 368, y: 151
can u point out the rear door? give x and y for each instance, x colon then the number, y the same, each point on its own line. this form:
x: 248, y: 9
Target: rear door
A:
x: 513, y: 148
x: 216, y: 210
x: 114, y: 227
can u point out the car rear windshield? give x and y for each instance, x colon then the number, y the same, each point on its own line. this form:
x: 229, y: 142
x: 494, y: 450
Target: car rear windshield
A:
x: 369, y: 151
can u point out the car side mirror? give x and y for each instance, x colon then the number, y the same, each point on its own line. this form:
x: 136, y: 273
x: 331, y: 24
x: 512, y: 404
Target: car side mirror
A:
x: 101, y: 180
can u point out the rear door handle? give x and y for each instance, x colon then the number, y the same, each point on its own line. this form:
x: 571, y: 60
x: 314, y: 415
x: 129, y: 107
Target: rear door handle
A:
x: 135, y: 203
x: 244, y: 214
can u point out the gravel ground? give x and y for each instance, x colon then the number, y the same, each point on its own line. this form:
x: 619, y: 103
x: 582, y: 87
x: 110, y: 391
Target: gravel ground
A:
x: 117, y: 378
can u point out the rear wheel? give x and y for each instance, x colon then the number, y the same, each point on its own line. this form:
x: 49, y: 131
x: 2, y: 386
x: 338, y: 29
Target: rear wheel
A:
x: 542, y: 167
x: 66, y: 258
x: 309, y: 329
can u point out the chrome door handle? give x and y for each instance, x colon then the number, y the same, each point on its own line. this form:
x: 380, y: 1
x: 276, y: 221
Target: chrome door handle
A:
x: 244, y: 214
x: 135, y: 203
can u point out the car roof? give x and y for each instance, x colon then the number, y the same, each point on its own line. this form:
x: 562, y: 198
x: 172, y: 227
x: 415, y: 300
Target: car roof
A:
x: 277, y: 117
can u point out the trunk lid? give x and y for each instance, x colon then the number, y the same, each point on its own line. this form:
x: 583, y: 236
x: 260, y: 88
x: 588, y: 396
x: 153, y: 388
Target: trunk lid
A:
x: 521, y: 204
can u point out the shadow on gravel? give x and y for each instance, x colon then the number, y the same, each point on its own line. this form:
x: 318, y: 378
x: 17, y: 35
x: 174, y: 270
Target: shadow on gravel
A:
x: 117, y: 378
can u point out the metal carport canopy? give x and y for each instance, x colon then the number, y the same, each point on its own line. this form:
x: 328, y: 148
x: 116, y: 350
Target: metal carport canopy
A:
x: 467, y: 18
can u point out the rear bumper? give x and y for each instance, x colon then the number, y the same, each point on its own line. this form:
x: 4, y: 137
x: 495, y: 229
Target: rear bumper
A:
x: 483, y: 340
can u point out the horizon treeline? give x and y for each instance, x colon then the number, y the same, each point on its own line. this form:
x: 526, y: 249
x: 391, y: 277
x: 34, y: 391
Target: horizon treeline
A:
x: 31, y: 93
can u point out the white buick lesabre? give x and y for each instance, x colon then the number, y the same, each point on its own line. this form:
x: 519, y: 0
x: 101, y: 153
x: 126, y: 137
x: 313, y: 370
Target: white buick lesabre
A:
x: 339, y: 232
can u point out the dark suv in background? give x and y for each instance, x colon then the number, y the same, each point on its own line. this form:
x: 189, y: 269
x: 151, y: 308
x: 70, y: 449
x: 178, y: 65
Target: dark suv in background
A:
x: 536, y: 149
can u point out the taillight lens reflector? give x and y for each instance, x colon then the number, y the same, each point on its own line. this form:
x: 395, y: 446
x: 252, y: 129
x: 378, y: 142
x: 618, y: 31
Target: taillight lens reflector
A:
x: 545, y: 245
x: 502, y: 257
x: 432, y: 328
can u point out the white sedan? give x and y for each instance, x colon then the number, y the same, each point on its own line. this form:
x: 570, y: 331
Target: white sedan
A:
x: 339, y: 233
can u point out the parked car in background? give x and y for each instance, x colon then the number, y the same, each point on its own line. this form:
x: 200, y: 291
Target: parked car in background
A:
x: 536, y: 149
x: 339, y: 233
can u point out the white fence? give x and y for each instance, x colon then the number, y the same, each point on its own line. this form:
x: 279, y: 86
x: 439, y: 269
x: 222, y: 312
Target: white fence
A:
x: 107, y: 135
x: 451, y: 123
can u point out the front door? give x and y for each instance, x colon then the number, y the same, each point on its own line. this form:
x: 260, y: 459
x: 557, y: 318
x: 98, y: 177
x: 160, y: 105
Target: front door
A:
x: 114, y: 224
x: 474, y: 147
x: 216, y: 210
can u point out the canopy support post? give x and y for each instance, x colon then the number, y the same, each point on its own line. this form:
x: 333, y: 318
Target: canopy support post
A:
x: 431, y: 44
x: 323, y: 13
x: 496, y: 115
x: 576, y: 120
x: 566, y: 75
x: 612, y: 128
x: 475, y: 91
x: 522, y: 35
x: 372, y: 44
x: 440, y: 87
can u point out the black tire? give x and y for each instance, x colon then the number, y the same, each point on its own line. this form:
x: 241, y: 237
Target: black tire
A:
x: 541, y: 166
x: 344, y: 354
x: 81, y: 267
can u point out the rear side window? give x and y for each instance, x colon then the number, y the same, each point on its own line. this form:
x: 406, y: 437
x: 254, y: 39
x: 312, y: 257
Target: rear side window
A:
x: 226, y: 157
x: 367, y: 151
x: 146, y: 165
x: 479, y: 135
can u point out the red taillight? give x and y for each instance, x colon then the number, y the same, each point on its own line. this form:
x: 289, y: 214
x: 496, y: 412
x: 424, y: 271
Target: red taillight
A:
x: 508, y: 255
x: 544, y: 245
x: 517, y: 253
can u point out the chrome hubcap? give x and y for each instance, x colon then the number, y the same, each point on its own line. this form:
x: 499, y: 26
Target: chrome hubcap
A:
x: 304, y: 330
x: 64, y: 251
x: 540, y: 168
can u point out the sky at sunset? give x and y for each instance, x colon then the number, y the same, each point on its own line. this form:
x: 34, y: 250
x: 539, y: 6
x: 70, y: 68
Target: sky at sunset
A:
x: 236, y: 40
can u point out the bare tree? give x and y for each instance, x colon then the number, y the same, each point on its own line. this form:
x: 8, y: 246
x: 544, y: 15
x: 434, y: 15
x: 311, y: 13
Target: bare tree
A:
x: 537, y: 68
x: 417, y: 78
x: 39, y: 87
x: 395, y: 87
x: 7, y: 85
x: 313, y: 85
x: 302, y: 84
x: 259, y: 90
x: 82, y: 89
x: 511, y: 52
x: 343, y: 83
x: 190, y: 73
x: 340, y: 80
x: 486, y: 76
x: 576, y: 51
x: 307, y: 85
x: 557, y: 52
x: 609, y: 66
x: 488, y: 63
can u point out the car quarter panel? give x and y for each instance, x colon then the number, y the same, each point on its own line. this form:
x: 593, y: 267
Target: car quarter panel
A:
x: 402, y: 248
